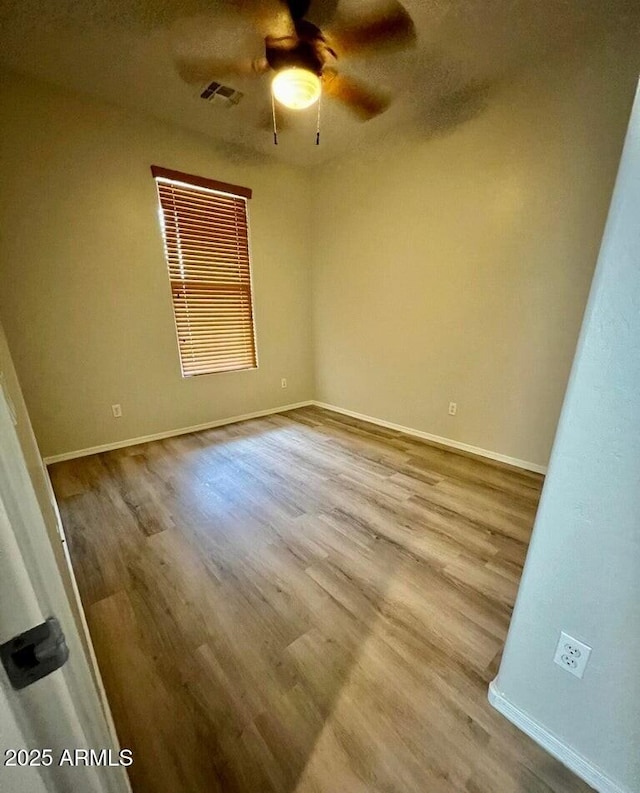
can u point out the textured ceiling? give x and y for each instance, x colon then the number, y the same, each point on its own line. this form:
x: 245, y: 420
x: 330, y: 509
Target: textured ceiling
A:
x: 122, y: 51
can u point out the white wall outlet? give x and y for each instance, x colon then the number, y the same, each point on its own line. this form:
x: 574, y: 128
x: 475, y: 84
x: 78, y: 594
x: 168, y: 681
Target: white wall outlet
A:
x: 117, y: 411
x: 572, y: 655
x: 453, y: 408
x: 283, y: 382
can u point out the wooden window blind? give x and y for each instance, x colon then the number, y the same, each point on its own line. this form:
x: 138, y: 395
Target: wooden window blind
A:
x: 206, y: 240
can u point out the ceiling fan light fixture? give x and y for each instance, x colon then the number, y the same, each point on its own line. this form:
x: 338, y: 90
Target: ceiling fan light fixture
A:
x: 296, y: 88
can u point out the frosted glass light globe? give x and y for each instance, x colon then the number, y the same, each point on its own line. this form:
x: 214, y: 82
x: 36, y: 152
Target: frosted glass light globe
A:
x: 296, y: 88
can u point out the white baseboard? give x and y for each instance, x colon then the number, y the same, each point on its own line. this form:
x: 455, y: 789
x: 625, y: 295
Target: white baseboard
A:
x: 575, y: 762
x: 158, y: 436
x: 464, y: 447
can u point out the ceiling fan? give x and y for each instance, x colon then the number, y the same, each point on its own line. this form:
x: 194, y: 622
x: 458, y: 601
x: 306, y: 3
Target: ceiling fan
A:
x: 303, y: 56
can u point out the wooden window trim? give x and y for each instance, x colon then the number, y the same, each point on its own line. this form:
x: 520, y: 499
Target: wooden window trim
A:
x: 200, y: 181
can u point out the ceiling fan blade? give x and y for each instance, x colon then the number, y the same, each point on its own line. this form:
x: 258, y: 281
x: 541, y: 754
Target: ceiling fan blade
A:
x: 214, y: 46
x: 204, y: 69
x: 391, y: 29
x: 271, y: 17
x: 361, y: 100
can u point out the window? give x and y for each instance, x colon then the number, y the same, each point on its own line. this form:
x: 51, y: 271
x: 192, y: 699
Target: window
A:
x: 206, y: 241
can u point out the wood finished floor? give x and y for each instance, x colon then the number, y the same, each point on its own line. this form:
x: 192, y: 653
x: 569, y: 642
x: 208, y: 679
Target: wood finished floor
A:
x: 305, y: 603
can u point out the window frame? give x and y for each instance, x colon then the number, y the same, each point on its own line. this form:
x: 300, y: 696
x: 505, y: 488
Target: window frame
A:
x: 205, y: 185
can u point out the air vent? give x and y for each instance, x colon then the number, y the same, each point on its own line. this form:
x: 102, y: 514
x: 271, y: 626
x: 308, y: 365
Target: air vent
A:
x: 221, y: 93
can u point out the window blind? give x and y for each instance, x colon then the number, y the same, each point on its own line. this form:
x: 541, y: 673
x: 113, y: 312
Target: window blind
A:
x: 206, y: 240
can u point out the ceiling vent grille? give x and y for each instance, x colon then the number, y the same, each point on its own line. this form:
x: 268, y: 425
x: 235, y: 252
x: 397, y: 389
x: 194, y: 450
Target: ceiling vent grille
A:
x: 216, y: 92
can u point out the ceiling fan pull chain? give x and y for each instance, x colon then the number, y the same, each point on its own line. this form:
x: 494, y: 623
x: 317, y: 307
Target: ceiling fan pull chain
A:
x: 275, y: 126
x: 318, y: 123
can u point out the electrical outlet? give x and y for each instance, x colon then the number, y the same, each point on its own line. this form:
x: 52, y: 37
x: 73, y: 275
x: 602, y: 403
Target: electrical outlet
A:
x: 453, y: 408
x: 117, y: 411
x: 572, y: 655
x: 283, y: 382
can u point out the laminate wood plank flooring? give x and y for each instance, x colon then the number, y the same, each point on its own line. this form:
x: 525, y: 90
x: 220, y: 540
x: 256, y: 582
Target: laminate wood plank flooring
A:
x: 305, y: 603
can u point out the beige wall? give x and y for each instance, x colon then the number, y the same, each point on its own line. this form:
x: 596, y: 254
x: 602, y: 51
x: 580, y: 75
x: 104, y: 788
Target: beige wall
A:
x: 582, y: 571
x: 85, y: 299
x: 457, y: 268
x: 37, y: 472
x: 438, y: 269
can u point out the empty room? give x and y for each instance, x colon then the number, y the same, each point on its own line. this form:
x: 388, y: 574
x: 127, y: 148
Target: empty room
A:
x: 320, y: 396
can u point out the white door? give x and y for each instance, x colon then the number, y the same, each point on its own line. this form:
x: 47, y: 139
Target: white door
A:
x: 62, y: 711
